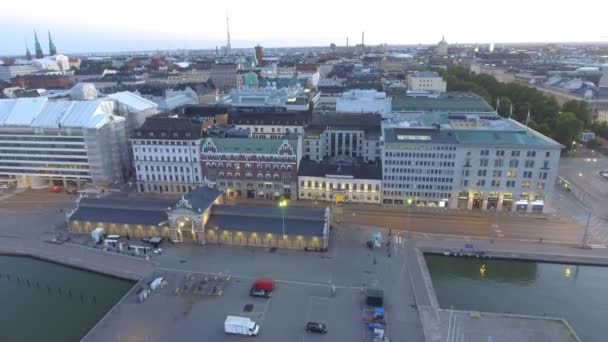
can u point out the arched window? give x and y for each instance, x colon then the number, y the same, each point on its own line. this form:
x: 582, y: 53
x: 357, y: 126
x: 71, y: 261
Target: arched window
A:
x: 275, y: 176
x: 229, y: 174
x: 260, y: 175
x: 237, y: 175
x: 221, y: 174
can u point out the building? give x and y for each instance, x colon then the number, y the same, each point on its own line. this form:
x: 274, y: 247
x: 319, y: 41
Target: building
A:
x: 451, y: 102
x: 271, y: 125
x: 469, y: 161
x: 134, y: 108
x: 200, y: 217
x: 225, y: 76
x: 251, y: 168
x: 269, y: 98
x: 335, y: 181
x: 70, y: 142
x: 426, y: 81
x: 7, y: 72
x: 34, y: 81
x: 166, y: 154
x: 343, y: 135
x: 329, y: 91
x: 259, y: 54
x: 442, y: 47
x: 364, y: 101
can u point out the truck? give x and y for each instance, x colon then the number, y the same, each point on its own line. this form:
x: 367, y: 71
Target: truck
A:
x: 241, y: 326
x: 262, y: 287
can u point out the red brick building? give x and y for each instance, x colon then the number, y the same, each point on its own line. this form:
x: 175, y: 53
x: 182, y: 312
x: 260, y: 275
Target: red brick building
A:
x: 43, y: 81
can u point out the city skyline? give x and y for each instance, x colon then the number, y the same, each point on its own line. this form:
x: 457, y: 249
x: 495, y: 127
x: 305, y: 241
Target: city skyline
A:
x: 194, y: 26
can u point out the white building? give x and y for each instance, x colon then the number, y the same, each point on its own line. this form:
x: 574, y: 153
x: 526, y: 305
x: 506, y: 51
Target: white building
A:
x: 134, y: 108
x: 287, y: 99
x: 166, y: 153
x: 469, y: 162
x: 426, y: 81
x: 9, y: 71
x: 364, y: 101
x: 44, y: 142
x: 327, y: 181
x: 343, y: 135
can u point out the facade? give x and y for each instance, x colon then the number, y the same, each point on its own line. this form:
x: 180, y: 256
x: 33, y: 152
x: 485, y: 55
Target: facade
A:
x: 426, y: 81
x: 270, y: 125
x: 364, y: 101
x: 334, y: 181
x: 252, y: 168
x: 225, y: 76
x: 469, y: 162
x: 442, y: 47
x: 343, y: 135
x: 166, y: 155
x: 71, y: 142
x: 200, y: 217
x: 43, y: 81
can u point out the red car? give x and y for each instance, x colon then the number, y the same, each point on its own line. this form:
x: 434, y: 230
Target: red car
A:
x: 262, y: 288
x: 55, y: 189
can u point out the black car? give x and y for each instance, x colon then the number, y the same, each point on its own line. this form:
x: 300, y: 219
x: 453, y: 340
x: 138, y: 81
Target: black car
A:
x: 315, y: 327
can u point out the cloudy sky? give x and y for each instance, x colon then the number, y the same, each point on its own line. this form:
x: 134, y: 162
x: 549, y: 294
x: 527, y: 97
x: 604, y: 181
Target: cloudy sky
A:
x: 118, y: 25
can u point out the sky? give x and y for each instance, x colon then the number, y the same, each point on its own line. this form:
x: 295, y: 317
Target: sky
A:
x: 120, y: 25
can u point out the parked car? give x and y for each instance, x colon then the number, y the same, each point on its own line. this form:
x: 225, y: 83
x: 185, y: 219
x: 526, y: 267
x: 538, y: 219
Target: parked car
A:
x: 316, y: 327
x: 262, y: 287
x: 55, y: 189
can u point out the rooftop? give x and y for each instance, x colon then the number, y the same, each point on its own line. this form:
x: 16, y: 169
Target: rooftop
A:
x: 252, y: 145
x: 454, y: 102
x: 134, y: 102
x: 298, y: 221
x: 169, y: 128
x: 44, y: 113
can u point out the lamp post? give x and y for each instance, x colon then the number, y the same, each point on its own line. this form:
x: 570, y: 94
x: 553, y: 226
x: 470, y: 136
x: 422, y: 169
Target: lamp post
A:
x: 283, y: 205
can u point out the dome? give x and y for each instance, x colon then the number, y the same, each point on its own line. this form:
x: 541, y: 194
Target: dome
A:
x: 83, y: 91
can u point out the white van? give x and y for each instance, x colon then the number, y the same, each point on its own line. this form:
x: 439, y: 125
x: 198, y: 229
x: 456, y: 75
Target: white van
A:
x: 241, y: 326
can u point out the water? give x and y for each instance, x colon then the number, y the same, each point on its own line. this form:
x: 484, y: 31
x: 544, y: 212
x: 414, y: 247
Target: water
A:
x: 577, y: 293
x: 44, y: 301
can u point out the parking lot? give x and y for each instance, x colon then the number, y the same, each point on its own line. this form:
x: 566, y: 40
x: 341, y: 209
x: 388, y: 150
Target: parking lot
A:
x: 303, y: 293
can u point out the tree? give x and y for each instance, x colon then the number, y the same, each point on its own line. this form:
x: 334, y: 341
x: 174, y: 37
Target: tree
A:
x: 580, y: 109
x: 593, y: 144
x: 505, y: 106
x: 567, y: 128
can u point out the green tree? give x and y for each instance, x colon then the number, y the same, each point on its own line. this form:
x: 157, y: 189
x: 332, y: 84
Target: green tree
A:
x: 505, y: 106
x: 593, y: 144
x: 567, y: 128
x: 580, y: 109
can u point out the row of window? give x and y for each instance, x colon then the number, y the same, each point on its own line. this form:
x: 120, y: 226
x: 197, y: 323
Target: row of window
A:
x: 339, y: 186
x: 347, y: 197
x: 168, y: 159
x: 420, y: 155
x: 166, y: 150
x: 169, y: 178
x: 415, y: 172
x: 515, y: 153
x: 418, y: 186
x: 418, y: 194
x: 510, y: 174
x: 248, y: 166
x: 164, y: 168
x: 164, y: 142
x: 496, y: 183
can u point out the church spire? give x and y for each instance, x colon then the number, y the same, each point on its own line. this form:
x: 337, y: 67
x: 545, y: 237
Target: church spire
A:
x: 28, y: 54
x: 39, y: 53
x: 228, y: 47
x: 52, y: 48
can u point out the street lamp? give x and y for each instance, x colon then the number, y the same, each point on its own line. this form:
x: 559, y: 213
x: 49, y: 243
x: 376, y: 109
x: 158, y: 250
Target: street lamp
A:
x: 283, y: 205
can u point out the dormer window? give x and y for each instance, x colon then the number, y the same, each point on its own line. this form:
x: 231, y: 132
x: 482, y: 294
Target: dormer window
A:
x: 175, y: 134
x: 151, y: 134
x: 163, y: 134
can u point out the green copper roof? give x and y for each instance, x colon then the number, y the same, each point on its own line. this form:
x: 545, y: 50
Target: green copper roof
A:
x: 447, y: 102
x: 502, y: 138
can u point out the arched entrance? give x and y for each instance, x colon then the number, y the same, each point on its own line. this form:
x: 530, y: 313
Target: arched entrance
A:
x: 186, y: 229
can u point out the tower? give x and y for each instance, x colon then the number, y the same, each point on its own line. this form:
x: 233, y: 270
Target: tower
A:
x: 39, y: 53
x: 228, y: 37
x: 52, y: 48
x: 259, y: 54
x: 28, y: 54
x: 346, y: 41
x: 363, y: 38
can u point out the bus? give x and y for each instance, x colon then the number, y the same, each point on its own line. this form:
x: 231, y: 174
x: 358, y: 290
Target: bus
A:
x: 564, y: 184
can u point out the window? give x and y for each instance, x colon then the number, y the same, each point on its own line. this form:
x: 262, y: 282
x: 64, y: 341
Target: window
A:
x: 541, y: 185
x: 529, y: 163
x: 483, y: 162
x: 497, y: 173
x: 481, y: 182
x: 531, y: 154
x: 485, y: 152
x: 548, y: 154
x: 512, y: 173
x: 481, y: 173
x: 546, y: 164
x: 514, y: 163
x: 500, y: 153
x: 525, y: 184
x: 496, y: 183
x: 498, y: 163
x: 514, y: 153
x: 527, y: 174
